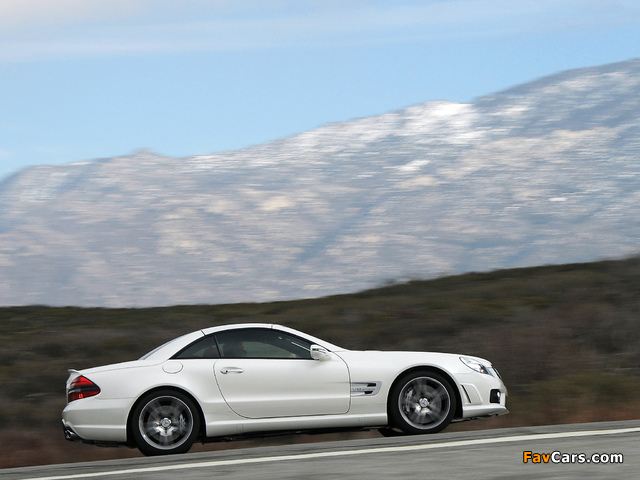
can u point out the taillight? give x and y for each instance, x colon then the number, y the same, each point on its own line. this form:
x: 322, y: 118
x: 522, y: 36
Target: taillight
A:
x: 82, y: 387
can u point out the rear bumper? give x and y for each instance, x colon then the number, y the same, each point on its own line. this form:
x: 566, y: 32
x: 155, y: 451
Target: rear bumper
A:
x: 72, y: 436
x: 91, y: 420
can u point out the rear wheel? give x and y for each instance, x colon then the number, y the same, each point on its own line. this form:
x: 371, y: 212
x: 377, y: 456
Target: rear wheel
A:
x: 421, y: 402
x: 165, y: 422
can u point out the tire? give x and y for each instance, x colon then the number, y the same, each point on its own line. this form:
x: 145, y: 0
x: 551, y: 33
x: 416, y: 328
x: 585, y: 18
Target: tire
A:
x: 421, y: 402
x: 165, y: 422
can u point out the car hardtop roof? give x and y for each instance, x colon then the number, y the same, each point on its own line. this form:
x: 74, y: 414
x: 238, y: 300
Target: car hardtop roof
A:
x: 234, y: 326
x: 319, y: 341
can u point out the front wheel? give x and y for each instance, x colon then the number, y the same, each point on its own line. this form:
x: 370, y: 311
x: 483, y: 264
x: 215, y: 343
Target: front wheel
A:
x: 422, y: 402
x: 165, y: 422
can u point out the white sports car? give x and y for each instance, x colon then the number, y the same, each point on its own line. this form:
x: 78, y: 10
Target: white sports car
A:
x: 231, y: 381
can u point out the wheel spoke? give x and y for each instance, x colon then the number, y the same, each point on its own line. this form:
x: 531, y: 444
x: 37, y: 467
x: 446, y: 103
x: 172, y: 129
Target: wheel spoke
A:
x: 424, y: 402
x: 165, y: 423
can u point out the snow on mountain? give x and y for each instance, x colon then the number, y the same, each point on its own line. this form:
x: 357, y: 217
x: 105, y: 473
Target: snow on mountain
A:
x: 545, y: 172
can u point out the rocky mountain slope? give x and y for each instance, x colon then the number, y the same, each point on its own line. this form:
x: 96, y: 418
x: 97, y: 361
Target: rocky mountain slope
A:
x: 542, y: 173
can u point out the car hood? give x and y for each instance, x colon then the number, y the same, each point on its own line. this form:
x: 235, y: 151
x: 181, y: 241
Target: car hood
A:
x: 398, y: 353
x: 393, y: 361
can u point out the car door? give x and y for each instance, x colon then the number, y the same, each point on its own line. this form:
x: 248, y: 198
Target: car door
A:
x: 266, y: 373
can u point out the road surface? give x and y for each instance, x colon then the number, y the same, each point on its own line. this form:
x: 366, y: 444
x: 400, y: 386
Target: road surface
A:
x: 593, y: 450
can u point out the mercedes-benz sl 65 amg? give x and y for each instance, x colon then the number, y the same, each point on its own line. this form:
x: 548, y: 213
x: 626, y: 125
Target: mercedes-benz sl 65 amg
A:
x: 253, y: 379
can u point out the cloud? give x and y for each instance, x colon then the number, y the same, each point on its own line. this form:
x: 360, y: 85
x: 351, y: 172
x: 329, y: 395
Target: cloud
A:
x: 42, y: 29
x: 19, y: 16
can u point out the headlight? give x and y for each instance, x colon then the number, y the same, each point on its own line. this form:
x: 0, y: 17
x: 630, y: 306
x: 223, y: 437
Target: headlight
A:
x: 474, y: 364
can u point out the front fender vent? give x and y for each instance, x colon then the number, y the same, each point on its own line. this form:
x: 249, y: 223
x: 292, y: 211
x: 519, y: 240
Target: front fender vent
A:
x: 359, y: 389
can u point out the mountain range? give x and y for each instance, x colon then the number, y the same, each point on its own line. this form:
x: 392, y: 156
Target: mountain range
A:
x: 542, y: 173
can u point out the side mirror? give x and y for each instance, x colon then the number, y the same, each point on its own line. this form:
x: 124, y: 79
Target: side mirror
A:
x: 320, y: 353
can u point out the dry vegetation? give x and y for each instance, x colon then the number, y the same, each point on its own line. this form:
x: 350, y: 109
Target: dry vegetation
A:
x: 565, y: 339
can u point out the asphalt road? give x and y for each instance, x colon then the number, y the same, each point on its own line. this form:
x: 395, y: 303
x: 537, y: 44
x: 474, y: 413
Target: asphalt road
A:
x: 482, y: 454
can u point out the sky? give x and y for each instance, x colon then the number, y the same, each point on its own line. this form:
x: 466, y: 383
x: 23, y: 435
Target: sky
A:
x: 88, y: 79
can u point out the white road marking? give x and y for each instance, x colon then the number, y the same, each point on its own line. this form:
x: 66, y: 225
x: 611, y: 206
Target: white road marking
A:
x: 344, y: 453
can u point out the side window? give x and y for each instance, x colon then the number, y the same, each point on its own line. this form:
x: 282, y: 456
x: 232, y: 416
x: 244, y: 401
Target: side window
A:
x: 262, y: 343
x: 202, y: 348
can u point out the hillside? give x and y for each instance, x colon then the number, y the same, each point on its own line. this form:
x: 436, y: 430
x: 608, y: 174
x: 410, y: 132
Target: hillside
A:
x: 543, y: 173
x: 565, y: 339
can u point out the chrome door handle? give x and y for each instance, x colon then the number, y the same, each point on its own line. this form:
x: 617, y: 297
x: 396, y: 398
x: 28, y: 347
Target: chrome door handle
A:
x: 226, y: 370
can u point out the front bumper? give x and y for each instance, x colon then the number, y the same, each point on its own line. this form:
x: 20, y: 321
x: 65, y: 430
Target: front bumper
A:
x: 483, y: 396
